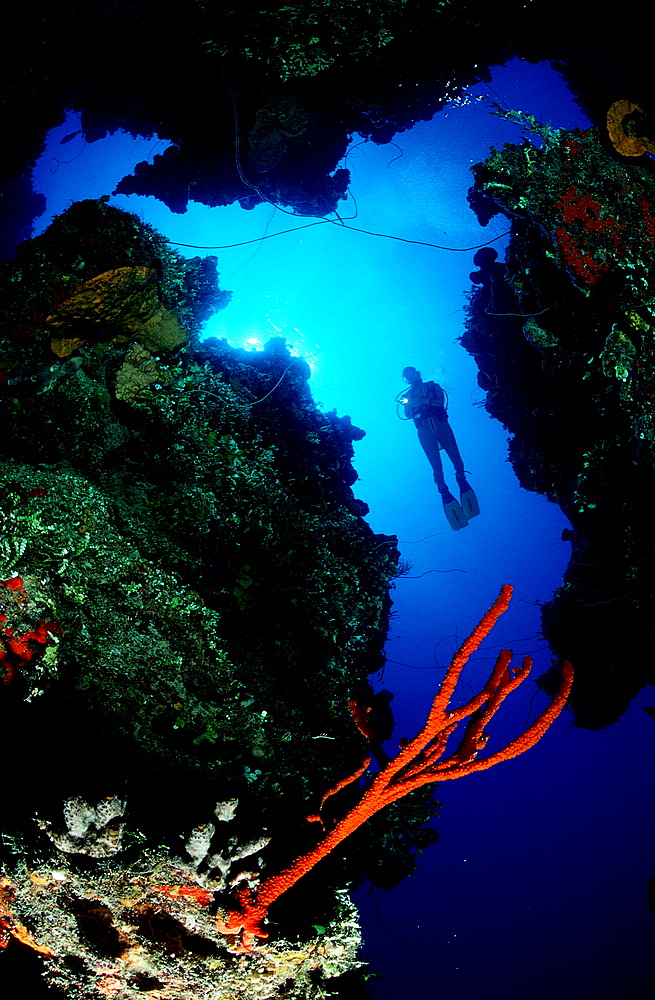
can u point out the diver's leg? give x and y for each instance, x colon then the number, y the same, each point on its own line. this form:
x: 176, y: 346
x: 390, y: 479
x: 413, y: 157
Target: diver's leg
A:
x: 430, y: 444
x: 452, y: 509
x: 467, y: 497
x: 446, y: 438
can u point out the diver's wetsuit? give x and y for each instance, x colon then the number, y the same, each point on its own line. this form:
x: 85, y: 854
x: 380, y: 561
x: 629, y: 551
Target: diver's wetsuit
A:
x: 425, y: 404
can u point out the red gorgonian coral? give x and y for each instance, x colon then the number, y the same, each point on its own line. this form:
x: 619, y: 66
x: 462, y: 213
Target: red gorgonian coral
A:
x: 420, y: 762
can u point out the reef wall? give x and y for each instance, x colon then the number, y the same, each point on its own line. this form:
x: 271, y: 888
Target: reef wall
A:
x: 564, y: 337
x: 189, y: 598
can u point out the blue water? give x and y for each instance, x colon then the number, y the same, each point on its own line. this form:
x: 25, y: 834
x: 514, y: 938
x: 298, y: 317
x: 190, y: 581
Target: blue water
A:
x: 537, y: 886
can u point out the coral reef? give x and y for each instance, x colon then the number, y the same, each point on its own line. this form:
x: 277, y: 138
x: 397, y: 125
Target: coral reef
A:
x: 154, y: 506
x: 147, y: 928
x: 564, y: 338
x: 189, y: 598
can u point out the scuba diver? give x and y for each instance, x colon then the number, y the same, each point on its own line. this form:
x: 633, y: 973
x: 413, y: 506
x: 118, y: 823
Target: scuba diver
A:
x: 425, y: 404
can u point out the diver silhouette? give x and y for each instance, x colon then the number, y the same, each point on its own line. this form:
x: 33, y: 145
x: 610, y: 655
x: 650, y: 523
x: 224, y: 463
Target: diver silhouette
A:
x: 425, y: 404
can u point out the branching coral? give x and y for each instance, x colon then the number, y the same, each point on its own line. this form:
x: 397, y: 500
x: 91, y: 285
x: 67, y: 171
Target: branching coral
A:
x: 420, y: 761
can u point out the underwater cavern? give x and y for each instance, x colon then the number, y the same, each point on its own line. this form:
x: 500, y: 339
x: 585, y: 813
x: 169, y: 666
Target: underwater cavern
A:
x: 196, y: 604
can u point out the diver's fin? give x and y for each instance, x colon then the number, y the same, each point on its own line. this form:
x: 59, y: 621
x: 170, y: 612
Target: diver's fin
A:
x: 469, y: 502
x: 454, y: 514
